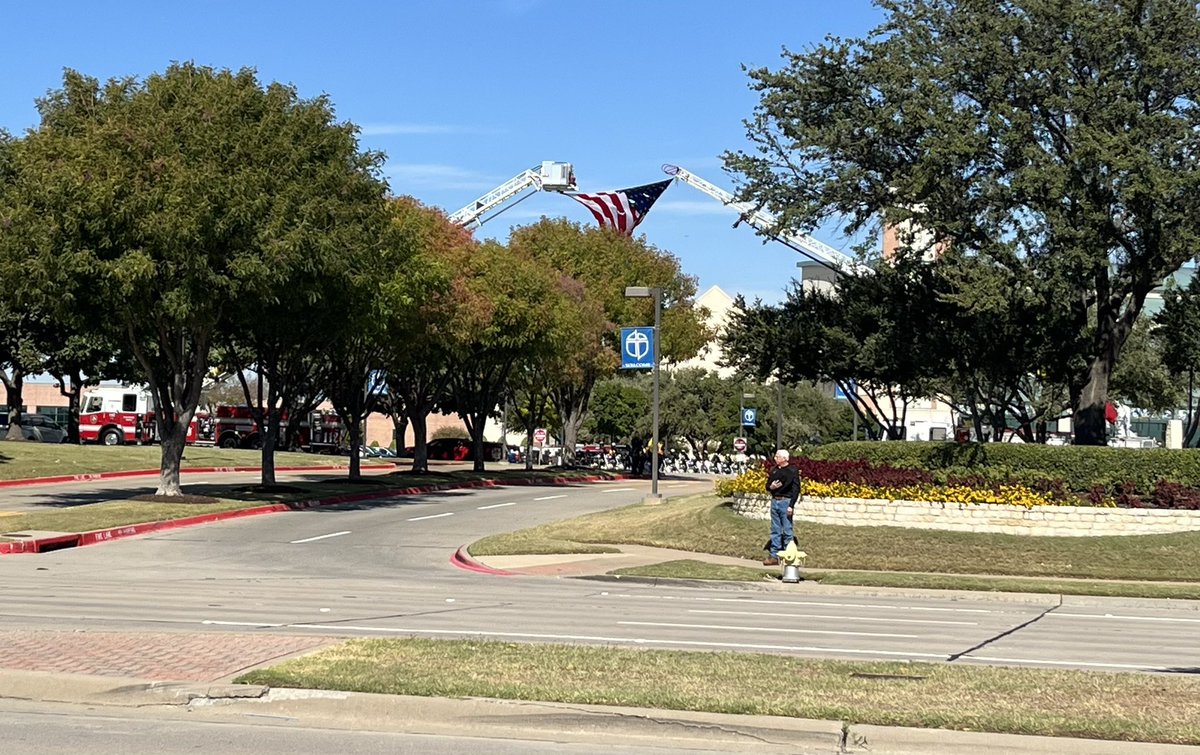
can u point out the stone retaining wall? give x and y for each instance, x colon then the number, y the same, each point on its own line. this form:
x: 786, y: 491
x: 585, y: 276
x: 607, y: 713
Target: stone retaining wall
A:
x: 1060, y: 521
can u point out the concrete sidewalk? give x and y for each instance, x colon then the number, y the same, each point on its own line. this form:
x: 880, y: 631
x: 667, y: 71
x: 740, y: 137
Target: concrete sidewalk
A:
x: 80, y: 695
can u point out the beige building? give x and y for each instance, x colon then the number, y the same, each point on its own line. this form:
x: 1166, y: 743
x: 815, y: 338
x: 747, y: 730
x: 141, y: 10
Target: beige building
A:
x: 718, y: 303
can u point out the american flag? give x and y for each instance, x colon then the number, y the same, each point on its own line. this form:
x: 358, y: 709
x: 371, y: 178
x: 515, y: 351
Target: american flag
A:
x: 623, y: 209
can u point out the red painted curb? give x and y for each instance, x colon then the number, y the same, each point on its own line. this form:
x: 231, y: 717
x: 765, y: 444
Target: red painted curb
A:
x: 72, y: 540
x: 463, y: 560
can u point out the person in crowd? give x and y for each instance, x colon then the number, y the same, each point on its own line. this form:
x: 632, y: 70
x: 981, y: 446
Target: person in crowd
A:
x: 783, y: 485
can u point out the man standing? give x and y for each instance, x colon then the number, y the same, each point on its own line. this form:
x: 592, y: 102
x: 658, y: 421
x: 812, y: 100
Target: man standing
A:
x: 783, y: 485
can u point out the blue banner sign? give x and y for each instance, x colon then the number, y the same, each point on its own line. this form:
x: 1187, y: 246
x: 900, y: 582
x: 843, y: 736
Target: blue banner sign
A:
x: 637, y: 348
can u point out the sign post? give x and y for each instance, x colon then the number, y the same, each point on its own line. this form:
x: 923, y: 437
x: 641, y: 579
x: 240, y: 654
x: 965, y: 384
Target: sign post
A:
x: 637, y: 346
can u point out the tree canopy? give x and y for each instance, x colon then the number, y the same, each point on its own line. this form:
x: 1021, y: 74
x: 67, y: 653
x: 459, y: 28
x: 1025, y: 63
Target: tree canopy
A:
x: 1054, y: 138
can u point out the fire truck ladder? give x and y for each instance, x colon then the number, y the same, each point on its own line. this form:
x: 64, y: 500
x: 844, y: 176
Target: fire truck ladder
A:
x: 549, y: 176
x: 768, y: 225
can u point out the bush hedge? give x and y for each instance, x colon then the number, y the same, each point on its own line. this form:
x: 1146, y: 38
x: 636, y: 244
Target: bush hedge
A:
x: 1081, y: 468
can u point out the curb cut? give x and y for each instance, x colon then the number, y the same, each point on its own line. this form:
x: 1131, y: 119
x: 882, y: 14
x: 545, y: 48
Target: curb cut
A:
x: 464, y: 560
x: 74, y: 540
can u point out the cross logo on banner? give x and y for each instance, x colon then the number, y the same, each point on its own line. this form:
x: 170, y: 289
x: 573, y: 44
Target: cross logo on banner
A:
x: 637, y: 348
x: 749, y: 417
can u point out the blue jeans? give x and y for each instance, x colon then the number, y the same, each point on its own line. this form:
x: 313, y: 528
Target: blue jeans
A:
x: 781, y: 525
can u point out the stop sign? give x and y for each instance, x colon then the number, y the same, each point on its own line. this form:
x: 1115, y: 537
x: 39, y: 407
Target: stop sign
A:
x: 539, y: 436
x: 739, y: 445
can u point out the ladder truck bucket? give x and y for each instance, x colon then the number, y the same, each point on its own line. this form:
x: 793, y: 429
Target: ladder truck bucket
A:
x: 557, y: 176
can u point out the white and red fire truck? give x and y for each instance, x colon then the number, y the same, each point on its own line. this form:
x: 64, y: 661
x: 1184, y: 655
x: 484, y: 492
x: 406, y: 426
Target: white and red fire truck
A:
x: 234, y: 427
x: 114, y: 415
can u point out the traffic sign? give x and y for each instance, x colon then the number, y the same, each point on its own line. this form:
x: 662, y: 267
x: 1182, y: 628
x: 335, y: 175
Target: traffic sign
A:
x: 749, y: 417
x: 539, y: 436
x: 739, y: 445
x: 637, y: 348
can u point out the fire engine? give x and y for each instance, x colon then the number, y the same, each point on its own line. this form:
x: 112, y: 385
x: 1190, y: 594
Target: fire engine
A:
x: 234, y: 427
x: 114, y: 415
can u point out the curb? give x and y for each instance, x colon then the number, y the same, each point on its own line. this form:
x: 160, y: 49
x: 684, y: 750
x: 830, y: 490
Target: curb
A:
x: 464, y: 560
x: 74, y: 540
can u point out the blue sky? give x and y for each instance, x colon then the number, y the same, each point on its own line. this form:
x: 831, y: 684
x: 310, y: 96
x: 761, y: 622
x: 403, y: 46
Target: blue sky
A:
x: 462, y: 96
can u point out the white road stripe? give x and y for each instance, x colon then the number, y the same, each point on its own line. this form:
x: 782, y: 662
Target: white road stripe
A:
x: 549, y: 497
x: 320, y: 537
x: 496, y: 505
x: 802, y: 616
x: 1118, y: 617
x: 756, y: 601
x: 618, y: 490
x: 431, y: 516
x: 764, y: 629
x: 210, y: 622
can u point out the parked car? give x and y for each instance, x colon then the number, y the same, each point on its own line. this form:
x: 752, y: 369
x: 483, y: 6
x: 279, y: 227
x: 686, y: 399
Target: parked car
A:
x: 37, y: 427
x: 459, y: 449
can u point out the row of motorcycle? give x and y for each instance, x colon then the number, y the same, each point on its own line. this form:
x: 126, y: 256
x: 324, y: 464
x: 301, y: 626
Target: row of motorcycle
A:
x: 717, y: 464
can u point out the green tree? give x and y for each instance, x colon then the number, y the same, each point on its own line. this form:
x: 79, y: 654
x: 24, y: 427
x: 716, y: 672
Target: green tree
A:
x: 172, y: 197
x: 1052, y: 135
x: 617, y: 404
x: 420, y: 338
x: 605, y: 262
x: 509, y: 303
x: 1178, y: 324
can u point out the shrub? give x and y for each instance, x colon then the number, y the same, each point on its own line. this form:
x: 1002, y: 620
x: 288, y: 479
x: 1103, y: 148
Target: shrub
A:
x: 1080, y: 468
x: 450, y: 432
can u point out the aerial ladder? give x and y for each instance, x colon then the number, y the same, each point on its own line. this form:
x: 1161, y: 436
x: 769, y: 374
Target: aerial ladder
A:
x: 549, y: 176
x: 822, y: 262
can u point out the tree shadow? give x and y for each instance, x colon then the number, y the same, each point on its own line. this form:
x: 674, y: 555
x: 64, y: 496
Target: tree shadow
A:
x: 1182, y: 670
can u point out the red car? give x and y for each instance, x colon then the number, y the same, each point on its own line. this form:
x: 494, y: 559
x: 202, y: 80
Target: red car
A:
x: 458, y: 449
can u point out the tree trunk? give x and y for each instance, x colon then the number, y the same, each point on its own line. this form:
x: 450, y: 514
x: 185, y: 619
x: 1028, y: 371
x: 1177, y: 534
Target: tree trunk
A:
x: 475, y: 427
x: 1089, y: 422
x: 420, y: 430
x: 72, y: 395
x: 571, y: 422
x: 355, y: 429
x: 399, y: 428
x: 14, y: 389
x: 173, y: 443
x: 270, y: 441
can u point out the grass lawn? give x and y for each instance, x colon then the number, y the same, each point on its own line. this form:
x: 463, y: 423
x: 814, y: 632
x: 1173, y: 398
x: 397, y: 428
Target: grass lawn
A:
x: 1129, y: 707
x: 706, y: 525
x: 22, y: 460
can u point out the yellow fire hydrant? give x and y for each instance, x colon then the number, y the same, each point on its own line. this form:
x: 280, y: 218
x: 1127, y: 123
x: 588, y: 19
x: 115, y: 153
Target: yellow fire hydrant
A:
x: 789, y: 559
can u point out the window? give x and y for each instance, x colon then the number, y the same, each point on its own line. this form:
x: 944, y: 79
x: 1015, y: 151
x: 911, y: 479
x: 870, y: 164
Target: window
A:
x: 937, y: 433
x: 94, y: 404
x: 129, y: 402
x: 59, y: 415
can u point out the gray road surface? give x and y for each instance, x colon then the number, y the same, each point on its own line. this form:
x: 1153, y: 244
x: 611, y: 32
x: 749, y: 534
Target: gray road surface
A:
x: 383, y: 570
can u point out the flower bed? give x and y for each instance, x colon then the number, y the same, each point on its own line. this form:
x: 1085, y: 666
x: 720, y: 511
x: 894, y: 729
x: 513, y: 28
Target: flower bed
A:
x: 1056, y: 521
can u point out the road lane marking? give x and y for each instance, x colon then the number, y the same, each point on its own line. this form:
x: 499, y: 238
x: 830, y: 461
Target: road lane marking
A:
x: 756, y: 601
x: 765, y: 629
x: 496, y: 505
x: 1125, y: 617
x: 431, y: 516
x: 320, y: 537
x: 848, y: 618
x: 550, y: 497
x: 618, y: 490
x: 210, y: 622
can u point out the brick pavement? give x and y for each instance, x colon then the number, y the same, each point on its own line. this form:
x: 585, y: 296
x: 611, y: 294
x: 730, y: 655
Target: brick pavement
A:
x: 159, y: 656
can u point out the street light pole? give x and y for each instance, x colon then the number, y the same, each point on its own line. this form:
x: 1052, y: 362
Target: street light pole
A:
x: 645, y: 292
x: 657, y: 338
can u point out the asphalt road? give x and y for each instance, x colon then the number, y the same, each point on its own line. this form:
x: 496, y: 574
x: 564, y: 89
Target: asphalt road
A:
x: 383, y: 570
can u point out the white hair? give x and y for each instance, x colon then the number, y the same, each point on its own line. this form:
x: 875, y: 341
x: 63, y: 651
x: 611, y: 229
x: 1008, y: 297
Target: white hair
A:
x: 782, y: 454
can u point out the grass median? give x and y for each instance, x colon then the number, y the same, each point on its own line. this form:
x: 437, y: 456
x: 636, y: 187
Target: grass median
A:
x: 1125, y: 707
x: 1132, y: 566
